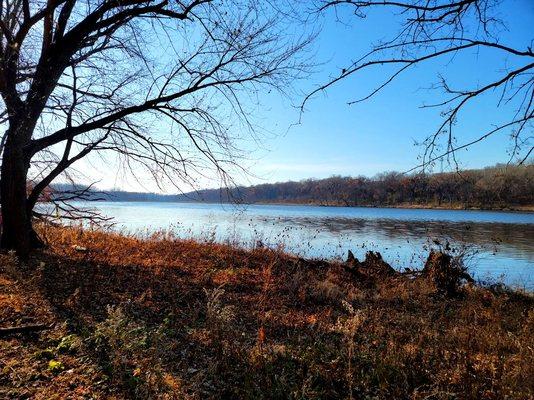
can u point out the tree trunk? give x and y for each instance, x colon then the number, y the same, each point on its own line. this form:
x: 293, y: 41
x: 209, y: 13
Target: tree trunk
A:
x: 16, y: 224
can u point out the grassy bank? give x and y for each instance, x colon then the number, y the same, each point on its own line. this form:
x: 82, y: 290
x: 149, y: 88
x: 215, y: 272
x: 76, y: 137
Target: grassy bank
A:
x: 165, y: 318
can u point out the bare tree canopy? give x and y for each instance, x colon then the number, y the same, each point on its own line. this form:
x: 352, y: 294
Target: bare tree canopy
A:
x: 161, y: 83
x: 433, y: 30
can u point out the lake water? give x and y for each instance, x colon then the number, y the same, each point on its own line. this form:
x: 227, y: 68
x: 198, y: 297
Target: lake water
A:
x: 500, y: 244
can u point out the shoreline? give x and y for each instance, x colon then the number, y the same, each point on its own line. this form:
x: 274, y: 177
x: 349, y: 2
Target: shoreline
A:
x: 169, y: 318
x: 519, y: 209
x: 516, y: 209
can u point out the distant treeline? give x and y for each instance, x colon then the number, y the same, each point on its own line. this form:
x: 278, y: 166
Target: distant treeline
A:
x: 501, y: 186
x: 492, y: 187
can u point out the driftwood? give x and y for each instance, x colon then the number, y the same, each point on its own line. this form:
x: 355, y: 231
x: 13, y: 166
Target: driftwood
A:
x: 23, y: 329
x: 446, y: 271
x: 372, y: 267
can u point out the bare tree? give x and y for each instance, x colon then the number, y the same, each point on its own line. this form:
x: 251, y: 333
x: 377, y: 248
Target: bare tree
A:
x: 444, y: 29
x: 160, y: 83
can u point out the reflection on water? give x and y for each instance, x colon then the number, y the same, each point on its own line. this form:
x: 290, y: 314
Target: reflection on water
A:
x: 502, y: 241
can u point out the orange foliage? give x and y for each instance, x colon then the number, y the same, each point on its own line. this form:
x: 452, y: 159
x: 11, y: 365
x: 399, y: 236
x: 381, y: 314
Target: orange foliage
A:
x: 165, y: 318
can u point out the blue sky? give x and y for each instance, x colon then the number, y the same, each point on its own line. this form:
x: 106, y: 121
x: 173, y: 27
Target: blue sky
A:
x: 378, y: 135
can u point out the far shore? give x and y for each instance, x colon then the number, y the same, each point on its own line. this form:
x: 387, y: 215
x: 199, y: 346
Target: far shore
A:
x: 408, y: 206
x: 519, y: 208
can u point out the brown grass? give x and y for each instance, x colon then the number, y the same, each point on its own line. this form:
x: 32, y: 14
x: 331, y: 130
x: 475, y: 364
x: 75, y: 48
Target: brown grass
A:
x: 166, y: 318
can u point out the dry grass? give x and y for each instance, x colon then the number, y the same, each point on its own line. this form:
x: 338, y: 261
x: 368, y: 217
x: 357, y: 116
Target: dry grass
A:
x: 166, y: 318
